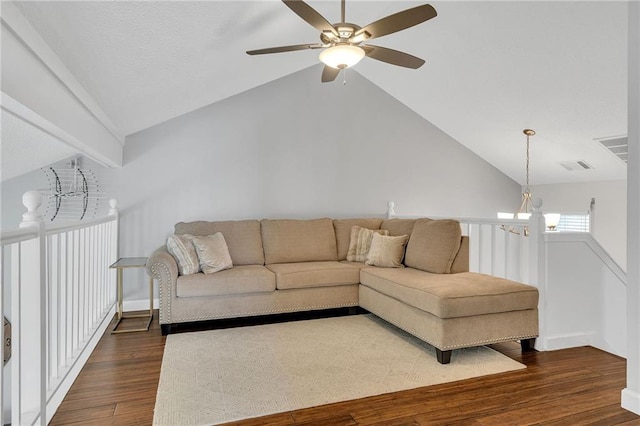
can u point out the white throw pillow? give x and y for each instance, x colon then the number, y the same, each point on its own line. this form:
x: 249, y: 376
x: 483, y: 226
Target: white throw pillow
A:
x: 360, y: 242
x: 387, y: 252
x: 182, y: 249
x: 213, y: 253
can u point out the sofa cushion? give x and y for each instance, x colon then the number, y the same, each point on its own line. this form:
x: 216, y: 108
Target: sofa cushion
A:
x: 243, y: 238
x: 288, y: 240
x: 182, y: 249
x: 213, y: 253
x: 451, y: 295
x: 387, y: 252
x: 360, y: 242
x: 343, y: 232
x: 397, y: 227
x: 314, y: 274
x: 433, y: 245
x: 359, y: 265
x: 244, y: 279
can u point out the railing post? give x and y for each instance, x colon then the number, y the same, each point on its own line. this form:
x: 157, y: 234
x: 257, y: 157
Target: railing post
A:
x: 28, y: 375
x: 537, y: 266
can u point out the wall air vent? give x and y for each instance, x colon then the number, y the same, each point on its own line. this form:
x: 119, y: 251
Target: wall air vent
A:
x: 575, y: 166
x: 618, y: 146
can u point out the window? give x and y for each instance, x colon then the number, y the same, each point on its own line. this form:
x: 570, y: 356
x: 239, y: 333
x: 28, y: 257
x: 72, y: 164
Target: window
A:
x: 573, y: 223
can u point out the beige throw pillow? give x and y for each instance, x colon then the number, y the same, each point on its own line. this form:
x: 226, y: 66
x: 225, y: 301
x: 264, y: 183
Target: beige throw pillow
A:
x: 360, y: 243
x: 213, y: 253
x: 433, y: 245
x: 387, y: 252
x: 182, y: 249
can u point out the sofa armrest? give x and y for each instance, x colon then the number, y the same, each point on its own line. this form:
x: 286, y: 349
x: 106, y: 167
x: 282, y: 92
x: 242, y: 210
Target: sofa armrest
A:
x: 162, y: 267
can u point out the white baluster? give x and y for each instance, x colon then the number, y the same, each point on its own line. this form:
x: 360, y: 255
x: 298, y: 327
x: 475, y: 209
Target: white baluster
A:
x: 537, y: 265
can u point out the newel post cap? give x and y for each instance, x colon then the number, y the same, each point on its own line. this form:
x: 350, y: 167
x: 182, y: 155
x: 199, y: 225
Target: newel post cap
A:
x: 113, y: 207
x: 391, y: 209
x: 537, y: 205
x: 32, y: 200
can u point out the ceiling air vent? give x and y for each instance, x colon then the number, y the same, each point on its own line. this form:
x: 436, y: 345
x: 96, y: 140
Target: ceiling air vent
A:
x: 618, y: 146
x: 575, y: 166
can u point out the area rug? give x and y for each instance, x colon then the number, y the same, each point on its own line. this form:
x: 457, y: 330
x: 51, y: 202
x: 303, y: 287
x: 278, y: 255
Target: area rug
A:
x: 217, y: 376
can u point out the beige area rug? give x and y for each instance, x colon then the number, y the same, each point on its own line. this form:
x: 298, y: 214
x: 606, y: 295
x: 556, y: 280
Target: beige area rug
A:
x: 217, y: 376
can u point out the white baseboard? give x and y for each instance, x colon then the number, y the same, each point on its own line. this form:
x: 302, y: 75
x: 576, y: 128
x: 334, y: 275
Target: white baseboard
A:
x: 139, y: 305
x: 631, y: 400
x: 564, y: 341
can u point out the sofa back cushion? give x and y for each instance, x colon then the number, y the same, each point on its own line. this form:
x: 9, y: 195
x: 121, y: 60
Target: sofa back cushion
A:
x: 397, y: 227
x: 289, y: 240
x: 243, y: 238
x: 433, y: 245
x: 343, y: 227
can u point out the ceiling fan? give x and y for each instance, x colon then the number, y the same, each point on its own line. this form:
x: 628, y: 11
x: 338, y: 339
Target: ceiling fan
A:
x: 342, y: 41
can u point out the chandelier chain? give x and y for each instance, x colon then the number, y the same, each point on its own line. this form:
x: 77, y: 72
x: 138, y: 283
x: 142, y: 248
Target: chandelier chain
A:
x: 527, y: 167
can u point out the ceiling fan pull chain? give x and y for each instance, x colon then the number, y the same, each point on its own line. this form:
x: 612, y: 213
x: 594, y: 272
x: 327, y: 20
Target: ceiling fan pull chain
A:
x: 344, y: 76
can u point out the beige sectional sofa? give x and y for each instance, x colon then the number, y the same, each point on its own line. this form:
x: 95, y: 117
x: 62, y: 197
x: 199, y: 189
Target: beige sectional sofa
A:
x: 282, y: 266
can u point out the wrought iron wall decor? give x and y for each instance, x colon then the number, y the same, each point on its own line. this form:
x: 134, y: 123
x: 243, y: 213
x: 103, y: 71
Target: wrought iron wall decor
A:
x: 73, y: 193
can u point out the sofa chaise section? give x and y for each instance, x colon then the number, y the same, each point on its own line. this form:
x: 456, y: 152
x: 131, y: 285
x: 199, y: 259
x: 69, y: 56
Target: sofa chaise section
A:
x: 451, y: 311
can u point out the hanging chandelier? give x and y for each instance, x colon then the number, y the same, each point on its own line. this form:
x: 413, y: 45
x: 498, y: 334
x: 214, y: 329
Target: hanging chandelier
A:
x: 526, y: 206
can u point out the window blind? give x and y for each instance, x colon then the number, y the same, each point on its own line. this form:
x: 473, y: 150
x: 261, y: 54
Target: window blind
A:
x: 574, y: 222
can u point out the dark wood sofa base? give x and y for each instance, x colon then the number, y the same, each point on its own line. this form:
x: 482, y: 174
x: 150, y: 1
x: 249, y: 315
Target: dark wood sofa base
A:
x: 218, y: 324
x: 444, y: 357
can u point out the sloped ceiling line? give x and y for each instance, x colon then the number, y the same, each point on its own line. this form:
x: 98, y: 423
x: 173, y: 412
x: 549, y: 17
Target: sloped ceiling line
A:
x: 13, y: 20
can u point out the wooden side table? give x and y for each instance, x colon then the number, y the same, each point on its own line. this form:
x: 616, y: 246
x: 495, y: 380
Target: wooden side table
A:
x: 131, y: 262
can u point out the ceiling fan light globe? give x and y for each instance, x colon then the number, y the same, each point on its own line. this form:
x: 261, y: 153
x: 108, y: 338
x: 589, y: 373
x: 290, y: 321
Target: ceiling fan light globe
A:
x: 342, y: 56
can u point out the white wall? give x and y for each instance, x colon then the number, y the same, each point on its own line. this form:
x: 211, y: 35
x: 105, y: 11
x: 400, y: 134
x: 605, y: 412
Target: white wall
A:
x: 585, y: 296
x: 297, y: 148
x: 610, y: 228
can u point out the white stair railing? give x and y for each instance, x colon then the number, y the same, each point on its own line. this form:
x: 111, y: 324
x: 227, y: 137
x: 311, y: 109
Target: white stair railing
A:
x: 62, y: 299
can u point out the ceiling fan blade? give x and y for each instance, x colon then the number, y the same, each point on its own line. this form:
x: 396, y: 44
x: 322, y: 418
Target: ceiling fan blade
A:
x: 285, y: 49
x: 394, y: 57
x: 329, y: 74
x: 398, y: 21
x: 311, y: 16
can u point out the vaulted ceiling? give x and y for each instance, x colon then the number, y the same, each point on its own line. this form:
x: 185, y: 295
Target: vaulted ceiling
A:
x: 493, y: 68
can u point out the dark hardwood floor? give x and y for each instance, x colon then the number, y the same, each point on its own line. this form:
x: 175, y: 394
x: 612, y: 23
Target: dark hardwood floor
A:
x: 579, y: 386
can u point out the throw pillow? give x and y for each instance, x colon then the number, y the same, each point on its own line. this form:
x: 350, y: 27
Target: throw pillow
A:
x: 386, y: 251
x: 182, y: 249
x: 213, y: 253
x: 360, y: 243
x: 434, y: 245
